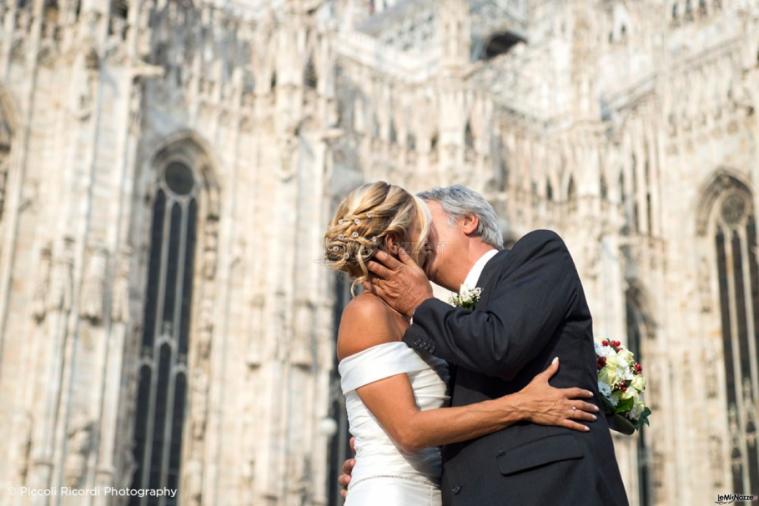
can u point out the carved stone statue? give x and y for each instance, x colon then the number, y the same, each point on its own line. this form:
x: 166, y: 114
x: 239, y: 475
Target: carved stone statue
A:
x: 61, y: 281
x: 120, y: 297
x: 79, y: 446
x: 24, y: 435
x: 193, y: 482
x: 41, y: 290
x: 93, y: 290
x: 199, y: 410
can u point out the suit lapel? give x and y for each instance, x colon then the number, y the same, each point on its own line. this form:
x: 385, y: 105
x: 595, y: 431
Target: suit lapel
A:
x: 487, y: 277
x: 485, y: 282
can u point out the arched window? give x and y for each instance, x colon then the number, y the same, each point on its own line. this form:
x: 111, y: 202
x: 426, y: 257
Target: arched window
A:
x: 503, y: 172
x: 733, y: 228
x: 310, y: 79
x: 375, y: 126
x: 688, y: 10
x: 392, y: 133
x: 649, y: 211
x: 162, y: 390
x: 633, y: 201
x: 120, y: 8
x: 625, y: 202
x: 339, y: 443
x: 5, y: 149
x: 637, y: 328
x: 497, y: 44
x: 571, y: 195
x: 410, y: 141
x: 702, y: 9
x: 119, y: 15
x: 571, y: 188
x: 468, y: 136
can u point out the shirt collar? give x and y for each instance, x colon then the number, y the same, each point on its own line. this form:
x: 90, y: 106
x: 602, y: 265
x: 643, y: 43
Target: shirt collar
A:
x: 474, y: 273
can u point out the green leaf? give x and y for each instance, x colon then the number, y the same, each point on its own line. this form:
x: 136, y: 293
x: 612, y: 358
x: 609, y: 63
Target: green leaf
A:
x: 607, y: 405
x: 624, y: 405
x: 621, y: 424
x: 643, y: 418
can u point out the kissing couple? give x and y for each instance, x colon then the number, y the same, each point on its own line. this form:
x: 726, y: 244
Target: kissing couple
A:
x: 491, y: 401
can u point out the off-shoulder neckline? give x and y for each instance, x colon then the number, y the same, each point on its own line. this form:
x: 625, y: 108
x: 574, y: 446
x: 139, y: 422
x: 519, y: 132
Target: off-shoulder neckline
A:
x: 373, y: 347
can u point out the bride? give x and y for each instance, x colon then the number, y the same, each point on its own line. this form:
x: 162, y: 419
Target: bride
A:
x: 395, y: 395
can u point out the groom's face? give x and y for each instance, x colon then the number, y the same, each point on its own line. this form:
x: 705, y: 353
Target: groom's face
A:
x: 446, y: 238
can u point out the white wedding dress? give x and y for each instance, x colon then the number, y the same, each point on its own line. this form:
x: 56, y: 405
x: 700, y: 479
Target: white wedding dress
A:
x: 384, y: 475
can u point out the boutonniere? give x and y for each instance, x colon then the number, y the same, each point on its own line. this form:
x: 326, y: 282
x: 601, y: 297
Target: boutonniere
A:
x: 467, y: 297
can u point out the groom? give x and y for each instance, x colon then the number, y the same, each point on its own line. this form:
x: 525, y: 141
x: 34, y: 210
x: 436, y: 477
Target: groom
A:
x: 532, y: 308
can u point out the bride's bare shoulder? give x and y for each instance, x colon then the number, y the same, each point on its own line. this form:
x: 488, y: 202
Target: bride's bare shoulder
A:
x: 366, y: 322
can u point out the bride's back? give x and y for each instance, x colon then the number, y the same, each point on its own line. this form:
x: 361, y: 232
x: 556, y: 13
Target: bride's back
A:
x: 353, y: 335
x: 374, y: 352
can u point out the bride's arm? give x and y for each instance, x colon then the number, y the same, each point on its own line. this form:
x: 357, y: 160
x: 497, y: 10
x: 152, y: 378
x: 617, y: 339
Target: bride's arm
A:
x: 367, y: 321
x: 391, y: 401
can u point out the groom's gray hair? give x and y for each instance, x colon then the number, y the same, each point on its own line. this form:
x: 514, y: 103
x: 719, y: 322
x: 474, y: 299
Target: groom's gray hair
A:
x: 459, y: 201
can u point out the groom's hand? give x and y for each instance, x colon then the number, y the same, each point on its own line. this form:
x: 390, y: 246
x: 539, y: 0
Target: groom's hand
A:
x: 401, y: 283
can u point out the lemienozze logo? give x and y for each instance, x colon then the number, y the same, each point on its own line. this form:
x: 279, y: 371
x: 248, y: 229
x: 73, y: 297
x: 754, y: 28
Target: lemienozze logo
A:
x: 735, y: 498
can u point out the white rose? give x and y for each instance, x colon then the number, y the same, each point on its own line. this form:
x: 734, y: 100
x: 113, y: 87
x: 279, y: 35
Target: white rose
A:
x: 637, y: 409
x: 604, y: 388
x: 608, y: 375
x: 627, y: 356
x: 638, y: 383
x: 614, y: 361
x: 603, y: 351
x: 613, y: 370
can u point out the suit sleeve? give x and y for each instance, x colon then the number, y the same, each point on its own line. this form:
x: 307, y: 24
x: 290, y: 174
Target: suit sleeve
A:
x: 533, y: 296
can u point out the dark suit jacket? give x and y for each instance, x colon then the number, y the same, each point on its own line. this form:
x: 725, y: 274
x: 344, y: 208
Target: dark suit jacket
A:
x: 532, y: 309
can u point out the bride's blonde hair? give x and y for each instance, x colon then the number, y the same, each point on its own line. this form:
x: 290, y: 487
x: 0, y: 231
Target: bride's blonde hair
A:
x: 363, y: 221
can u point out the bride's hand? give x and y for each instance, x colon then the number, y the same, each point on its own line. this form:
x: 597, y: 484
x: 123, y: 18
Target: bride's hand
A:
x: 546, y: 405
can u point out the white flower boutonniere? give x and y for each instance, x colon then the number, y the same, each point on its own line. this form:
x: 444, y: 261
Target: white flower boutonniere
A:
x: 467, y: 297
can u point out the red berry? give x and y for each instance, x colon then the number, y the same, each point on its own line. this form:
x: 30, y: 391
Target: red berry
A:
x: 601, y: 362
x: 622, y: 387
x: 605, y: 342
x: 638, y: 368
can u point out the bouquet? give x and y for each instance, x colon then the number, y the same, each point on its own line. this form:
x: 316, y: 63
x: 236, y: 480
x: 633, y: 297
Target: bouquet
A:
x: 621, y: 386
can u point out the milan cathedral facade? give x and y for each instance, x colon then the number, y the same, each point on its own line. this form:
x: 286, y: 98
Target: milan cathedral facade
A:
x: 167, y: 168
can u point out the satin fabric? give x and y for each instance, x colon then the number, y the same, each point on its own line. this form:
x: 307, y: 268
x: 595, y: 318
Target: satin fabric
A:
x: 384, y: 475
x: 390, y: 491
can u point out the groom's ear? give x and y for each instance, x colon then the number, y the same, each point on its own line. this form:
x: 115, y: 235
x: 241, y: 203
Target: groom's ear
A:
x: 470, y: 223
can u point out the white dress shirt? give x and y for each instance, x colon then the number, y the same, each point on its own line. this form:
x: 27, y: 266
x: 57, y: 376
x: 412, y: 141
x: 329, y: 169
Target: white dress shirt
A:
x: 474, y: 273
